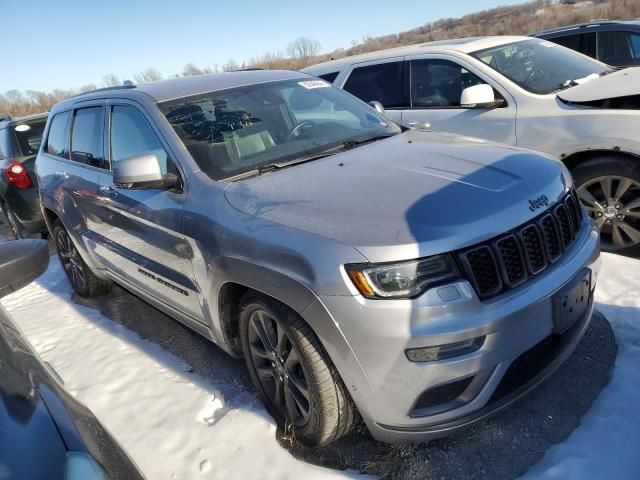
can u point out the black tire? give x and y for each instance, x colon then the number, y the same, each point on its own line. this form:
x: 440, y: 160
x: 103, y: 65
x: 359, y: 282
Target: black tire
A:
x: 331, y: 411
x: 616, y: 180
x: 82, y: 279
x: 14, y: 223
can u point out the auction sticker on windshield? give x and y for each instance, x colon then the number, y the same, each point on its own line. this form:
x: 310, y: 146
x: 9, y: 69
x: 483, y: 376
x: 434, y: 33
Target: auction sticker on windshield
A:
x: 314, y: 84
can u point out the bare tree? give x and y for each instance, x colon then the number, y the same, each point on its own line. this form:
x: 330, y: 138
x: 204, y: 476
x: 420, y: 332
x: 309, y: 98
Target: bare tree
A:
x: 149, y: 75
x: 230, y: 66
x: 303, y: 48
x: 190, y: 69
x: 111, y: 80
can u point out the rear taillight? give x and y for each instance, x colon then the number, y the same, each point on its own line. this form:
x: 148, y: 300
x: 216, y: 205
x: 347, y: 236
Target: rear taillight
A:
x: 17, y: 175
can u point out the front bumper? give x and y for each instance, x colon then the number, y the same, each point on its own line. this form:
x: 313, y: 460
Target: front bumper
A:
x: 369, y: 337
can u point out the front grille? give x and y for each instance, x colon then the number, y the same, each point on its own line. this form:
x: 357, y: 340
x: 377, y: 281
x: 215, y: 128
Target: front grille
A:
x: 511, y: 259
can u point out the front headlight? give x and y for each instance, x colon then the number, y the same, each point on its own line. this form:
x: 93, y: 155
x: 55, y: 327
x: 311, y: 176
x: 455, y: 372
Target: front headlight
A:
x: 401, y: 280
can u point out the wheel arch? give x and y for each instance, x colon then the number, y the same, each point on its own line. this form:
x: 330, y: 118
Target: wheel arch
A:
x: 241, y: 276
x: 574, y: 159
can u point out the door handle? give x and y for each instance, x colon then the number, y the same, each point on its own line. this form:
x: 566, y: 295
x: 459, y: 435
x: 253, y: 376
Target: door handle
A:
x: 109, y: 191
x: 62, y: 174
x: 421, y: 125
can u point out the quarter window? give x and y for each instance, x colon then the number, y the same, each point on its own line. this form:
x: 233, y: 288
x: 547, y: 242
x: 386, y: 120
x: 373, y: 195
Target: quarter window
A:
x: 131, y: 135
x: 87, y: 137
x: 58, y: 138
x: 439, y: 83
x: 329, y: 77
x: 381, y: 83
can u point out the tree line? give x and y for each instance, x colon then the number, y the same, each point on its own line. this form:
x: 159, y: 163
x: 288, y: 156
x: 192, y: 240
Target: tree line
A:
x: 512, y: 20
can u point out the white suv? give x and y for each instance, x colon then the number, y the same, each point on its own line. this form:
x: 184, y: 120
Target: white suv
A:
x: 524, y: 92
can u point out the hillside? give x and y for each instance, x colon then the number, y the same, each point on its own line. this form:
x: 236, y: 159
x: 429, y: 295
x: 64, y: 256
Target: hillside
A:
x: 511, y: 20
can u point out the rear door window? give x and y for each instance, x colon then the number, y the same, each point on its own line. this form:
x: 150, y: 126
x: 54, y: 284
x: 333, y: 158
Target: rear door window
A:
x: 439, y: 83
x: 580, y: 42
x: 382, y: 83
x: 58, y: 139
x: 132, y: 135
x: 87, y: 137
x: 619, y: 48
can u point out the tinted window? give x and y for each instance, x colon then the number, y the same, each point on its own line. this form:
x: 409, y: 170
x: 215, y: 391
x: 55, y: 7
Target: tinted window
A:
x: 57, y: 142
x: 239, y: 130
x: 5, y: 143
x: 382, y: 83
x: 619, y: 48
x: 87, y: 136
x: 439, y: 83
x: 132, y: 135
x: 580, y: 42
x: 329, y: 77
x: 29, y: 136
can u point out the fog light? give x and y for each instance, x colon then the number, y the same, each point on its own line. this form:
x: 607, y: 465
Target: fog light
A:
x: 441, y: 352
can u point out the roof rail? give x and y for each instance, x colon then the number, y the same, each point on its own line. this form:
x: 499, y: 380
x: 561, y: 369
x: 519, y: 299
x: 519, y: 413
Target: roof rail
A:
x: 126, y: 86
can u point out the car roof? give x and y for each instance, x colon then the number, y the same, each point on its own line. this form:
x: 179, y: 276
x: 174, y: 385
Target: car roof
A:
x: 6, y: 121
x: 173, y: 88
x: 463, y: 45
x: 634, y: 22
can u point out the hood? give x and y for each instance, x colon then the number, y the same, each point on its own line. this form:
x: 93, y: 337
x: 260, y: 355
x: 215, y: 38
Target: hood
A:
x: 621, y: 83
x: 412, y: 195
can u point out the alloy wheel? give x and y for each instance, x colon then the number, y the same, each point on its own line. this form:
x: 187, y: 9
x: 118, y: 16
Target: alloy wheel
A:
x: 279, y: 368
x: 71, y: 260
x: 614, y: 203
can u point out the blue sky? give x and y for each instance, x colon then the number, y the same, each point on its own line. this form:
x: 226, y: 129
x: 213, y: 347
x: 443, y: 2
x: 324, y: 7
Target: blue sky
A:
x: 51, y: 44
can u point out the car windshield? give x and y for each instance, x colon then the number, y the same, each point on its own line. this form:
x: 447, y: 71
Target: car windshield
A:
x: 244, y: 129
x: 540, y: 66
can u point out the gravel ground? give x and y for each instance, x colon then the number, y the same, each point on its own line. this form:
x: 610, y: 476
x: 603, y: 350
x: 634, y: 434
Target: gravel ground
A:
x: 502, y: 447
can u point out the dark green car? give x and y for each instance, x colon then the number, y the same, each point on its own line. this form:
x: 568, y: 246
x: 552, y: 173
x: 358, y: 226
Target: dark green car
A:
x: 20, y: 140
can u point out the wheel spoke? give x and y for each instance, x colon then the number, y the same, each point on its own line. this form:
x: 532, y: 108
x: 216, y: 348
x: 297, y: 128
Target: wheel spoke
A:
x: 265, y: 372
x: 587, y: 198
x: 607, y: 187
x: 631, y: 232
x: 600, y: 222
x: 296, y: 385
x: 616, y: 236
x: 633, y: 204
x: 296, y: 403
x: 278, y: 397
x: 623, y: 186
x: 257, y: 349
x: 281, y: 345
x: 258, y: 325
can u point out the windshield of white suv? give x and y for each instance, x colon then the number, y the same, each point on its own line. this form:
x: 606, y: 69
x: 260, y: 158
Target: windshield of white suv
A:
x: 540, y: 66
x: 271, y: 125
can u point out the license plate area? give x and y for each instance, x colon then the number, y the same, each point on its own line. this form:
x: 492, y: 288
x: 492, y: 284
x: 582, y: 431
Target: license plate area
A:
x: 571, y: 303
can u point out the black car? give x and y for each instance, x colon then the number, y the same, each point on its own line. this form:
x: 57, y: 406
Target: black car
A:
x: 44, y: 432
x: 20, y: 140
x: 615, y: 42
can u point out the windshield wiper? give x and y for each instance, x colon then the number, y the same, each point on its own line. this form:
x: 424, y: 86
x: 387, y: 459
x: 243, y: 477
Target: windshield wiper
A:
x: 344, y: 146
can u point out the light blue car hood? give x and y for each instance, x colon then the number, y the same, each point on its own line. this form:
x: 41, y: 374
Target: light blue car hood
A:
x: 414, y: 194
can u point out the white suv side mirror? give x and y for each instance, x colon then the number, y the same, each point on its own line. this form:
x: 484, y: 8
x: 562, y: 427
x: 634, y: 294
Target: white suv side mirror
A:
x: 479, y: 96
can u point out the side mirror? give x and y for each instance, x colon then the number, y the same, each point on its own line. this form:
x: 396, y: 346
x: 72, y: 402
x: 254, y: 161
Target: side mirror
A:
x: 142, y: 172
x: 378, y: 106
x: 21, y: 262
x: 479, y: 96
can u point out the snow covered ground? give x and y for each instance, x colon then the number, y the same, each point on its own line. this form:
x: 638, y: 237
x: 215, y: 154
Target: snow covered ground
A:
x: 177, y: 424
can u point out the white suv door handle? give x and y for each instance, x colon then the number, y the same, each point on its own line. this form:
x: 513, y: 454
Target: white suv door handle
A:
x: 62, y: 174
x: 419, y: 125
x: 108, y: 191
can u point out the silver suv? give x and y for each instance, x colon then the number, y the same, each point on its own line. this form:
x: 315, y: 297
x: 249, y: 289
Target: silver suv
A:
x: 420, y: 280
